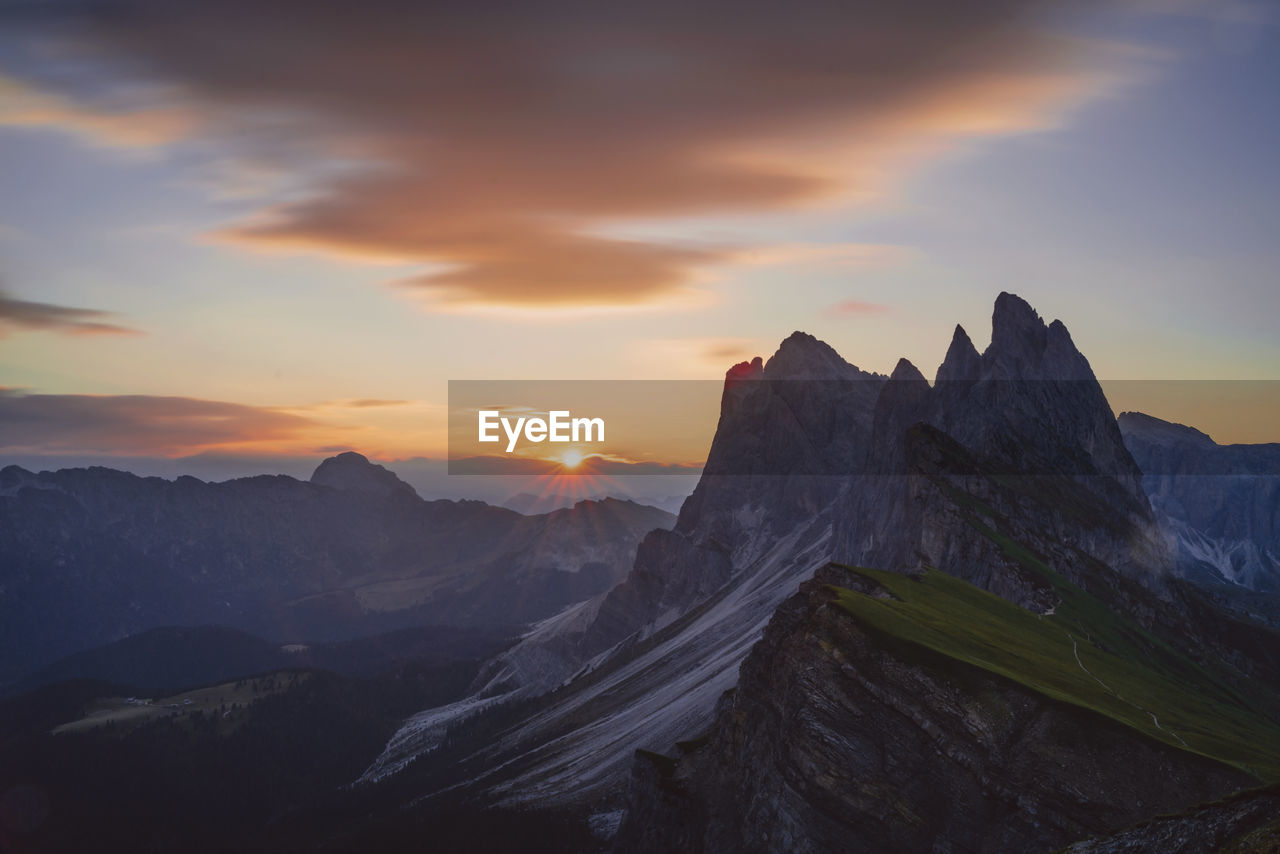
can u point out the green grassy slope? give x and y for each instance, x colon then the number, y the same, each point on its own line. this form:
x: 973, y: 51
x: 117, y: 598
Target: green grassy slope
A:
x: 1082, y: 654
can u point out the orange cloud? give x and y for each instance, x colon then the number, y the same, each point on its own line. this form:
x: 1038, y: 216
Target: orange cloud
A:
x: 499, y: 143
x: 827, y: 254
x: 700, y: 357
x: 366, y: 402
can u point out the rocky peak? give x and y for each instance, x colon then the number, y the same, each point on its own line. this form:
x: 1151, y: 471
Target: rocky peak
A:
x: 1036, y: 404
x: 352, y: 471
x: 903, y: 401
x: 1062, y: 360
x: 1018, y: 335
x: 801, y: 356
x: 904, y: 371
x: 737, y: 383
x: 1023, y: 347
x: 962, y: 362
x: 752, y: 370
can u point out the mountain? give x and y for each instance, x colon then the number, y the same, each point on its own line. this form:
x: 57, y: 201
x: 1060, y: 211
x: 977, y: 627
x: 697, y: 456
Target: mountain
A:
x: 893, y: 615
x: 353, y: 472
x: 1002, y: 492
x: 905, y: 707
x: 1022, y: 431
x: 530, y: 504
x: 914, y: 714
x: 652, y: 655
x: 1220, y: 503
x: 890, y: 712
x: 88, y: 556
x: 810, y: 463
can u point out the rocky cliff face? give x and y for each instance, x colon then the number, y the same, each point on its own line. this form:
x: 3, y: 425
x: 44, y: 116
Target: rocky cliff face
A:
x: 842, y: 736
x: 647, y: 660
x: 1024, y: 430
x: 788, y: 430
x: 852, y: 733
x: 1219, y: 503
x: 808, y: 440
x: 815, y: 460
x: 92, y: 555
x: 785, y: 428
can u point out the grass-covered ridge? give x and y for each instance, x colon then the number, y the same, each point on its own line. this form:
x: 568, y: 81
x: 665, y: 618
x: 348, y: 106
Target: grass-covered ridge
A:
x: 1157, y: 692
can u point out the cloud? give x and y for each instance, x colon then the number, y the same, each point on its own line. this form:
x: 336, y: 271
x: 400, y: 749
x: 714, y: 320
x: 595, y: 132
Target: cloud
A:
x: 22, y: 105
x: 827, y: 254
x: 857, y: 308
x: 498, y: 144
x: 703, y: 357
x: 367, y: 402
x: 725, y: 352
x: 351, y: 403
x: 135, y: 424
x: 22, y: 314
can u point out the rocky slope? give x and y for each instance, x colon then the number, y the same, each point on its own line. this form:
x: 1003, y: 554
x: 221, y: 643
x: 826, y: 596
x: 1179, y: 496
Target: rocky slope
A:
x: 652, y: 655
x: 845, y: 735
x: 1219, y: 503
x: 89, y: 556
x: 1096, y: 691
x: 814, y: 460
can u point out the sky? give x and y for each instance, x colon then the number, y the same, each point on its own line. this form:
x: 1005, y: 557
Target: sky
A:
x: 274, y: 231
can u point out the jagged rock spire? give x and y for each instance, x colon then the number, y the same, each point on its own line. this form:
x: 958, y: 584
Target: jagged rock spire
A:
x: 962, y: 362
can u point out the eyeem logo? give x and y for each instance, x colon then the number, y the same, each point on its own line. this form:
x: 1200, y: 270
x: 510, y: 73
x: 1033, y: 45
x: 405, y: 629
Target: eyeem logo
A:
x: 559, y: 426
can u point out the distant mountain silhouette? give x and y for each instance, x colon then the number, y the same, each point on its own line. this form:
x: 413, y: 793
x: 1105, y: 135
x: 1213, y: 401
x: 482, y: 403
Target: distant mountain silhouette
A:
x: 89, y: 556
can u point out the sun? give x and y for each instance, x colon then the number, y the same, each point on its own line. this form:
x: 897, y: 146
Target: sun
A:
x: 571, y: 458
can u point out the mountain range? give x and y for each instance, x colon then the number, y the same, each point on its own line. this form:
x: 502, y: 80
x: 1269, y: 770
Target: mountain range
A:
x: 1007, y: 481
x: 974, y: 614
x: 89, y: 556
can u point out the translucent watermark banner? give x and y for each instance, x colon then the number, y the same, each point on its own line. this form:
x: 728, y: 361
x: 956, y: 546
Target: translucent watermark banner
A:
x: 861, y: 426
x: 581, y: 427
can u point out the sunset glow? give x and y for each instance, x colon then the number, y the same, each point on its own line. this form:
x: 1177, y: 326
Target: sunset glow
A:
x: 559, y: 426
x: 195, y: 267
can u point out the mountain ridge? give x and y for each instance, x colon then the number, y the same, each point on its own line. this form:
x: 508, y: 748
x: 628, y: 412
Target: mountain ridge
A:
x: 795, y: 478
x: 356, y: 553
